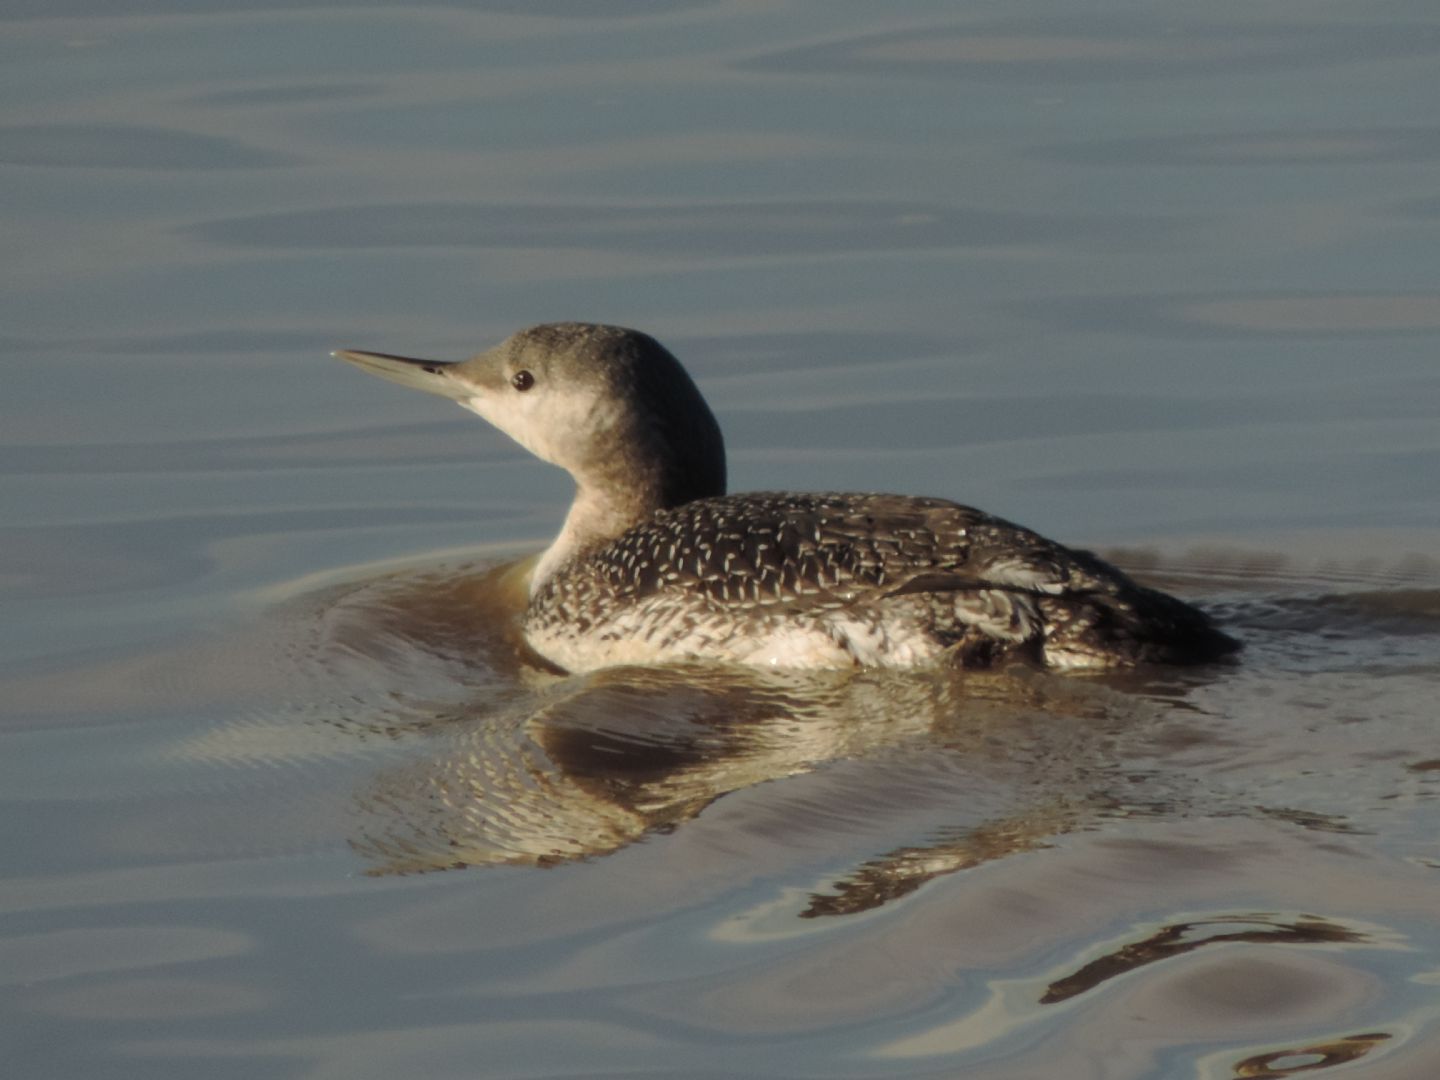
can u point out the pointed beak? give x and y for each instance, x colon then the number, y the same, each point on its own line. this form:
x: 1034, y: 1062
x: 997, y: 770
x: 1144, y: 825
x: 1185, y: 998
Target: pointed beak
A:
x: 432, y: 376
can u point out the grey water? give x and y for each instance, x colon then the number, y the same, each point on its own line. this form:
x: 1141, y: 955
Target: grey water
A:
x: 280, y: 794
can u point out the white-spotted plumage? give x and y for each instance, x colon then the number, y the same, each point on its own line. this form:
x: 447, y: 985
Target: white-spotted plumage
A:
x: 655, y: 563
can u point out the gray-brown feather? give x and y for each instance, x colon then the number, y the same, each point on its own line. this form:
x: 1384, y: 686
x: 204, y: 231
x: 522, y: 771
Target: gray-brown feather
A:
x: 880, y: 579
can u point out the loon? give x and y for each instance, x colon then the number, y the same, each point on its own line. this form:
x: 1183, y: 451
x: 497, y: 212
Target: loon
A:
x: 656, y: 563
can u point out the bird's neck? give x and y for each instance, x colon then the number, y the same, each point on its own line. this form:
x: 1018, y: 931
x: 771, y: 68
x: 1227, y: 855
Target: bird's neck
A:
x: 596, y: 517
x: 628, y: 483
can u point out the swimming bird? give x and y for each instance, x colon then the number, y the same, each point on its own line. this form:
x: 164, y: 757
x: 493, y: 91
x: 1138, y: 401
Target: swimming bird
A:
x: 656, y: 563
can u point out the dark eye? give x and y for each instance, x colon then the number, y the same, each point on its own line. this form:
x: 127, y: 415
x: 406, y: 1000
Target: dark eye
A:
x: 522, y: 380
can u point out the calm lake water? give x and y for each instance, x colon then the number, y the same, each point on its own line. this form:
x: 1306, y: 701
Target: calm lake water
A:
x: 280, y: 797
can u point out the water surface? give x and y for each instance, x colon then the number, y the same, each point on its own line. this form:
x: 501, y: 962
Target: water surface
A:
x: 283, y: 797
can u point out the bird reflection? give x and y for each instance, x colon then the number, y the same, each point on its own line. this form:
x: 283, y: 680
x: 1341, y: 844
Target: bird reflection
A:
x: 900, y: 872
x: 1291, y: 1061
x: 1179, y: 938
x: 602, y: 760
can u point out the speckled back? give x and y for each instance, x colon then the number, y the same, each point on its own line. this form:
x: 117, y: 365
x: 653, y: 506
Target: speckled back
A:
x: 814, y: 579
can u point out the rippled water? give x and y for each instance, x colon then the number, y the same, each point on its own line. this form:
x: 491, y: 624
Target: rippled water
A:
x: 282, y: 797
